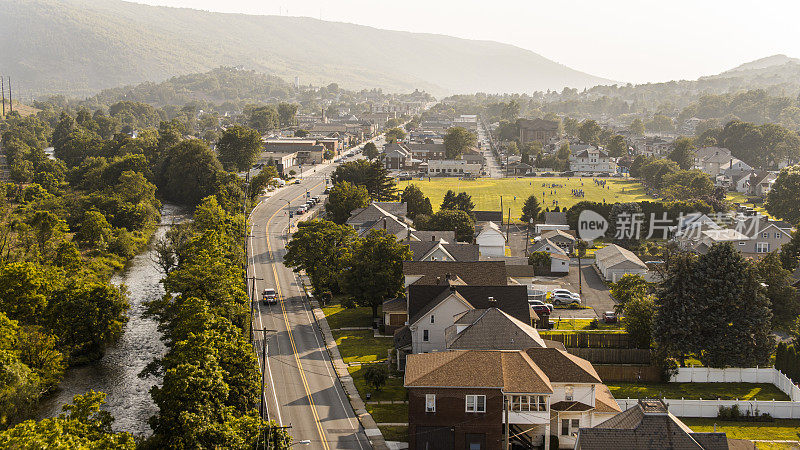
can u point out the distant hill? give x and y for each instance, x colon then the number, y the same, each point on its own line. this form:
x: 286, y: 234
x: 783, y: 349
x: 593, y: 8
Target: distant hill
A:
x: 770, y: 62
x: 82, y: 46
x: 772, y: 71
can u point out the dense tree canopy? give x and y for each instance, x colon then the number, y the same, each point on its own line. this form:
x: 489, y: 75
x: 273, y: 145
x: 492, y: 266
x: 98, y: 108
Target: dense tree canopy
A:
x: 239, y: 147
x: 782, y: 198
x: 458, y: 140
x: 416, y: 202
x: 344, y: 197
x: 370, y: 174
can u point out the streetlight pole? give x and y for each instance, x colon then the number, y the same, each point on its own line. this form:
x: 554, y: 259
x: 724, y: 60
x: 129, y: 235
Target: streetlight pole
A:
x: 263, y: 409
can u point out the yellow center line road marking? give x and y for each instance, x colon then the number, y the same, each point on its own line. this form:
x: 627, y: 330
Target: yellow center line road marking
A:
x: 279, y: 291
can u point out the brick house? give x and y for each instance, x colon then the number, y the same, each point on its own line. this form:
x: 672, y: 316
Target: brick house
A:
x: 475, y: 398
x: 538, y: 130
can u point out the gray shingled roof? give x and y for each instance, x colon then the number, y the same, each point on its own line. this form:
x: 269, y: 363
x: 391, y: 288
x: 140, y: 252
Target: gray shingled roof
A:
x: 459, y: 251
x: 482, y: 273
x: 491, y: 329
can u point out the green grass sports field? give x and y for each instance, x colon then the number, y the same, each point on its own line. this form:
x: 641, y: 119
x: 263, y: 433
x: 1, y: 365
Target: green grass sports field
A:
x: 486, y: 192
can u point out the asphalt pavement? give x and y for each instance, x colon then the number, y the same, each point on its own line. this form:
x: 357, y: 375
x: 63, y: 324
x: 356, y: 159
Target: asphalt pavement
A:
x: 302, y: 390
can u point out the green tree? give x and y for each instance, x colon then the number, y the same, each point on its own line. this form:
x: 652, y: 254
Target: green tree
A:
x: 677, y: 322
x: 637, y: 127
x: 687, y: 185
x: 448, y: 220
x: 416, y: 202
x: 531, y: 209
x: 683, y: 153
x: 239, y: 147
x: 779, y: 290
x: 571, y: 126
x: 617, y: 146
x: 589, y: 132
x: 320, y: 248
x: 458, y: 140
x: 287, y: 113
x: 191, y: 172
x: 84, y: 425
x: 95, y: 231
x: 24, y: 291
x: 638, y: 321
x: 376, y: 375
x: 344, y: 197
x: 395, y: 135
x: 790, y: 252
x: 782, y: 198
x: 370, y: 150
x: 374, y: 271
x: 265, y: 177
x: 459, y: 202
x: 541, y: 262
x: 263, y: 119
x: 370, y: 174
x: 629, y: 287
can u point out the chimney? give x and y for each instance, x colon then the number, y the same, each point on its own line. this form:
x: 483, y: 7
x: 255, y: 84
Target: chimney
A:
x: 492, y: 300
x: 438, y: 280
x: 447, y: 276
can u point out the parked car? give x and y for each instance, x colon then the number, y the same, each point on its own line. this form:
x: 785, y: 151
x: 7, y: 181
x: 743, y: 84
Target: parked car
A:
x: 564, y: 299
x: 300, y: 211
x: 565, y: 292
x: 269, y: 296
x: 541, y: 310
x: 297, y: 181
x: 610, y: 317
x: 535, y: 303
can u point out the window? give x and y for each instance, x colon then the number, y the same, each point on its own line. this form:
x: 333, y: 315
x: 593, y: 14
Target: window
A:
x: 568, y: 393
x: 762, y: 247
x: 576, y: 423
x: 565, y: 427
x: 777, y: 235
x: 425, y: 335
x: 430, y: 403
x: 570, y: 426
x: 528, y: 403
x: 432, y: 318
x: 765, y: 235
x: 742, y: 243
x: 476, y: 403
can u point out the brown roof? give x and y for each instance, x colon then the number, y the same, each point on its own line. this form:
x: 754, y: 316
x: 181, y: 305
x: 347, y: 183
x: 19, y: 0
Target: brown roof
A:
x: 402, y: 337
x: 604, y: 402
x: 558, y: 234
x: 570, y: 406
x: 511, y: 371
x: 491, y: 329
x: 538, y: 124
x: 484, y: 273
x: 562, y: 367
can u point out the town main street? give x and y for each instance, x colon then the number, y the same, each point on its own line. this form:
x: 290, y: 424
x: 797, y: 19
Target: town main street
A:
x: 302, y: 390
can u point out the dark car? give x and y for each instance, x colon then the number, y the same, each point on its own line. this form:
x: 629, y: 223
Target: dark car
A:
x: 541, y: 310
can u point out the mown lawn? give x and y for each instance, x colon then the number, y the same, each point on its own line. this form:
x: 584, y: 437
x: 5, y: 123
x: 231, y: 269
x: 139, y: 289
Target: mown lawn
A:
x: 583, y: 325
x: 341, y: 317
x: 389, y: 413
x: 725, y: 391
x: 393, y: 390
x: 486, y: 192
x: 361, y: 346
x: 778, y: 430
x: 399, y: 434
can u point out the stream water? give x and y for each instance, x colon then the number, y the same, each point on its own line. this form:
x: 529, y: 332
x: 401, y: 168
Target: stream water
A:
x: 117, y: 372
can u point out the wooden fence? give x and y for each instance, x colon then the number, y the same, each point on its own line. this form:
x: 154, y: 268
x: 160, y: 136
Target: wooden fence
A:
x: 590, y: 340
x: 628, y: 373
x: 612, y: 355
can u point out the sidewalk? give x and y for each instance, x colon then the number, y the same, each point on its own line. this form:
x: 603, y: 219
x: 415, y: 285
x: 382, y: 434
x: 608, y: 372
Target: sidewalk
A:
x: 370, y: 427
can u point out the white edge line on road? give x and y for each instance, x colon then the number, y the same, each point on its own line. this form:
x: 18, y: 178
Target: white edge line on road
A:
x: 261, y: 324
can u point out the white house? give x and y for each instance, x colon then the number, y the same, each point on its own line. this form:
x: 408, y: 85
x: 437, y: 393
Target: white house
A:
x: 491, y: 240
x: 593, y: 160
x: 452, y: 168
x: 614, y: 261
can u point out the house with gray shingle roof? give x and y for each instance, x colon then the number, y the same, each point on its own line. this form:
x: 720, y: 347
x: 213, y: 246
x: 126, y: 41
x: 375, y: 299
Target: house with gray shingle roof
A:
x: 648, y: 425
x: 614, y: 261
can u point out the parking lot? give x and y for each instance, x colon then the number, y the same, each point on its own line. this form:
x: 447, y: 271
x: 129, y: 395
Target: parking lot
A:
x: 595, y: 293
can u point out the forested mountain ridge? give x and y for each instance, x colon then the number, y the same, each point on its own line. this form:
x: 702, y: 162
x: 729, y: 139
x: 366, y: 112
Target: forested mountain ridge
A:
x: 80, y: 46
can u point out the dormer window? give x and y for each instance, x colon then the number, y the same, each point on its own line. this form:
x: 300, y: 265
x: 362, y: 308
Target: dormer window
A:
x: 569, y: 393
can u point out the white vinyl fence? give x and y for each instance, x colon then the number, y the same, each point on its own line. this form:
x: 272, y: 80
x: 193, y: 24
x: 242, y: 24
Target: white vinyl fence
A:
x: 738, y: 375
x: 780, y: 409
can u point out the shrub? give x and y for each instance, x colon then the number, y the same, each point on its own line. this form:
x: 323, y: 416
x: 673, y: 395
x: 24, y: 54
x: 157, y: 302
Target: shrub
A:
x: 376, y: 375
x: 348, y: 303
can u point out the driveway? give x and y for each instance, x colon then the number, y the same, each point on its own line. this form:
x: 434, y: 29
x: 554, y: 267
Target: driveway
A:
x: 595, y: 293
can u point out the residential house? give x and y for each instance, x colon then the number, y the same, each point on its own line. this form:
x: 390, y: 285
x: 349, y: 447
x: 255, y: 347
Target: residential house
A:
x: 451, y: 168
x: 364, y: 217
x: 592, y: 160
x: 539, y: 130
x: 754, y: 237
x: 552, y: 221
x: 564, y: 239
x: 460, y: 398
x: 491, y: 240
x: 614, y: 261
x: 391, y: 217
x: 492, y: 329
x: 711, y: 159
x: 443, y: 251
x: 761, y: 183
x: 648, y: 425
x: 396, y: 156
x: 559, y: 261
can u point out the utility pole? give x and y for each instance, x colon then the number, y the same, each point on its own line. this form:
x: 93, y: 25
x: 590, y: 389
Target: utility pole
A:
x: 10, y: 97
x: 3, y: 90
x: 508, y: 223
x: 506, y: 444
x: 252, y: 303
x: 263, y: 409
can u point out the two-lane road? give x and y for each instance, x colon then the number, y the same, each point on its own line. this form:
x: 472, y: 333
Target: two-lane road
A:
x: 302, y: 389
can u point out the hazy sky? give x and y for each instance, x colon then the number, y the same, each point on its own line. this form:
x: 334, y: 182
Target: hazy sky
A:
x: 624, y: 40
